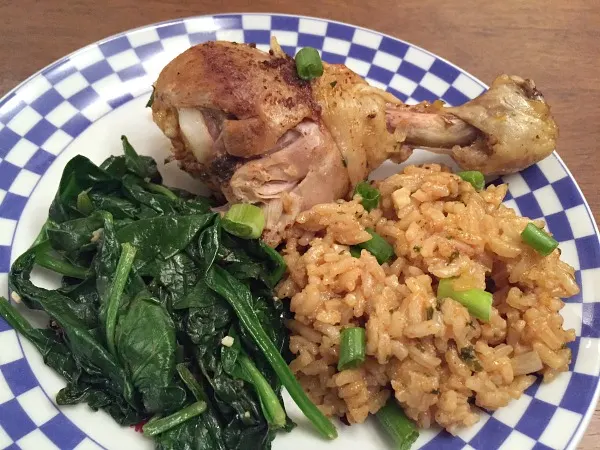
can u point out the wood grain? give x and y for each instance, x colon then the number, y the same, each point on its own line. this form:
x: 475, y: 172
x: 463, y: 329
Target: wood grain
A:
x: 555, y: 42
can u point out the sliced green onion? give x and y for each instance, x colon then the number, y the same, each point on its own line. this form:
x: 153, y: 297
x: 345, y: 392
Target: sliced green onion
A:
x: 244, y: 220
x: 477, y: 301
x: 158, y: 426
x: 400, y: 428
x: 377, y: 246
x: 538, y: 239
x: 474, y: 177
x: 84, y: 203
x: 369, y: 195
x: 308, y: 63
x: 352, y: 348
x: 355, y: 251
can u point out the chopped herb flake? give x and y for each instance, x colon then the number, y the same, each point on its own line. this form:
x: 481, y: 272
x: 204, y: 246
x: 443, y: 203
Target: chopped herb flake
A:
x: 468, y: 355
x: 430, y: 313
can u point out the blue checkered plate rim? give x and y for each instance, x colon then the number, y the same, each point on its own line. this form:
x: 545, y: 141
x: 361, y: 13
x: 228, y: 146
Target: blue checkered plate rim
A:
x: 83, y: 102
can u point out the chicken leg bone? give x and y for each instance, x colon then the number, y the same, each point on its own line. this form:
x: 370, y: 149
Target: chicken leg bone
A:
x: 504, y: 130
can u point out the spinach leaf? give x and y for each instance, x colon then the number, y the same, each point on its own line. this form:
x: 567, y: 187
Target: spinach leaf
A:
x: 162, y: 237
x: 75, y: 235
x: 207, y: 324
x: 120, y: 208
x: 97, y: 395
x: 209, y: 428
x: 190, y: 435
x: 142, y: 166
x: 87, y: 351
x: 178, y: 275
x: 115, y: 166
x: 133, y: 190
x: 163, y: 311
x: 58, y: 356
x: 80, y: 174
x: 251, y: 259
x: 84, y: 203
x: 209, y: 244
x: 194, y: 205
x: 85, y: 299
x: 80, y: 291
x: 18, y: 281
x: 235, y: 400
x: 54, y: 352
x: 198, y: 296
x: 272, y: 316
x: 146, y: 346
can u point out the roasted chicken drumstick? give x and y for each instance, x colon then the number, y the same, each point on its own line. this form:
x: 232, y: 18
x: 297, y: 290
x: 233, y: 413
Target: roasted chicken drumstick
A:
x: 243, y: 122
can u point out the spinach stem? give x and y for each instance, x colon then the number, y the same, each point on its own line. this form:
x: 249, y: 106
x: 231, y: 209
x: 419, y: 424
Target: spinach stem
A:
x: 157, y: 188
x: 128, y: 252
x: 271, y: 407
x: 237, y: 295
x: 60, y: 265
x: 275, y: 275
x: 190, y: 381
x: 14, y: 319
x: 158, y: 426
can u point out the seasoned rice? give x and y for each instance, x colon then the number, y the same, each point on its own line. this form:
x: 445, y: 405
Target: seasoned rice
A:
x: 433, y: 356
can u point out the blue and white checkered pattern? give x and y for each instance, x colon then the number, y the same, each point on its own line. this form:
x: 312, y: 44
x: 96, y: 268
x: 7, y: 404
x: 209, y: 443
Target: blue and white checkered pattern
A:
x: 40, y: 118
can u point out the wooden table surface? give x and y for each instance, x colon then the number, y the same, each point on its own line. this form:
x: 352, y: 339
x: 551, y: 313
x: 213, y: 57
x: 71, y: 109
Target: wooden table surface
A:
x: 555, y: 42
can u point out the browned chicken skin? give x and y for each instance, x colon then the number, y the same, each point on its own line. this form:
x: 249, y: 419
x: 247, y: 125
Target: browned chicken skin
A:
x: 243, y: 122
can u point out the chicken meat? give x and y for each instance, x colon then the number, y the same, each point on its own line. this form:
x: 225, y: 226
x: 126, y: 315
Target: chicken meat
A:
x: 243, y: 122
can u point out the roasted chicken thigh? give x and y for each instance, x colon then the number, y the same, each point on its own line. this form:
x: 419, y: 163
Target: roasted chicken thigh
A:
x: 243, y: 122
